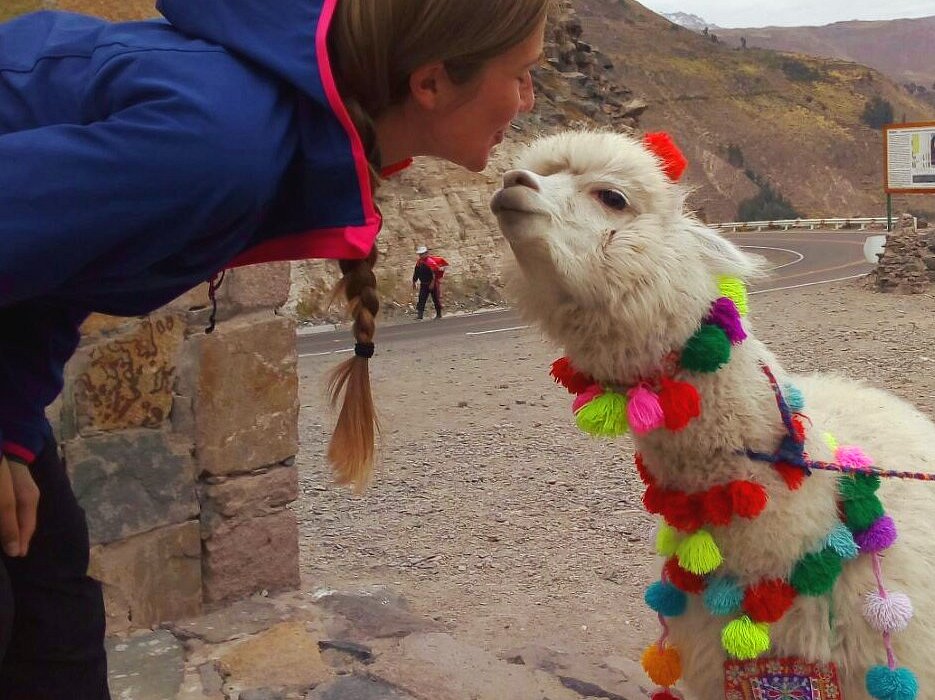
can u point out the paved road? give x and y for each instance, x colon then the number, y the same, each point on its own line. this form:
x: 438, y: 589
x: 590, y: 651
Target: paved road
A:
x: 799, y: 258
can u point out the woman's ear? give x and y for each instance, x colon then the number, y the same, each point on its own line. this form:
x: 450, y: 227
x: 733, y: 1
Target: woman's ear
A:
x: 427, y: 85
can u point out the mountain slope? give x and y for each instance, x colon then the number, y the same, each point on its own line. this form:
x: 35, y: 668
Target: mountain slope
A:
x: 791, y: 121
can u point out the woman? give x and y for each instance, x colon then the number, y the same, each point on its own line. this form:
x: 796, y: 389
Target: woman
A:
x: 141, y: 159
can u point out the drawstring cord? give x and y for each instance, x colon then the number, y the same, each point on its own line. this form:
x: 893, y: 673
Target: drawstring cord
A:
x: 213, y: 286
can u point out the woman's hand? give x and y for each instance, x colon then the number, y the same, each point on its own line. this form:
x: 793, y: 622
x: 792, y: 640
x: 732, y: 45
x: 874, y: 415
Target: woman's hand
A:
x: 19, y: 498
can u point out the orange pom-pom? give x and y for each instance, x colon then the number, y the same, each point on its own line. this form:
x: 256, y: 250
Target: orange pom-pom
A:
x: 768, y: 601
x: 685, y: 581
x: 791, y: 474
x: 570, y: 378
x: 662, y: 665
x: 718, y: 505
x: 673, y: 161
x: 680, y: 403
x: 749, y: 499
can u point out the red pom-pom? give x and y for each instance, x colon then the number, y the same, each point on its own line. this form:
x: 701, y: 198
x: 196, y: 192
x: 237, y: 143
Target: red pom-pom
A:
x: 681, y: 511
x: 664, y: 695
x: 798, y: 427
x: 570, y: 378
x: 749, y: 499
x: 768, y: 601
x: 673, y: 161
x: 680, y: 403
x: 791, y: 474
x: 718, y: 505
x: 641, y: 469
x: 683, y: 580
x: 654, y: 499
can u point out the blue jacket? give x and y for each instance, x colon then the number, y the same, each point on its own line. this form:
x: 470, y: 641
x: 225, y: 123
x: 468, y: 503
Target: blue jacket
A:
x: 139, y: 159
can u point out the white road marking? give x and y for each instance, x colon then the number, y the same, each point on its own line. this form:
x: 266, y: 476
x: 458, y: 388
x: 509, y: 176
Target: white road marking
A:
x: 783, y: 250
x: 809, y: 284
x: 498, y: 330
x: 328, y: 352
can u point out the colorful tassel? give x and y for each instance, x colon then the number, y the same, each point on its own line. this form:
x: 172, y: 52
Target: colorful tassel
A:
x: 667, y: 541
x: 680, y: 403
x: 861, y: 513
x: 682, y: 511
x: 725, y: 315
x: 664, y: 694
x: 816, y: 573
x: 644, y: 411
x: 718, y: 505
x: 768, y: 601
x: 748, y: 499
x: 681, y: 579
x: 793, y: 476
x: 745, y: 639
x: 734, y: 289
x: 570, y: 378
x: 723, y: 596
x: 699, y: 554
x: 831, y: 441
x: 841, y: 540
x: 673, y: 161
x: 795, y: 400
x: 879, y: 536
x: 662, y: 664
x: 586, y: 397
x: 857, y: 486
x: 707, y: 350
x: 852, y: 456
x: 604, y: 416
x: 665, y: 599
x: 891, y: 684
x: 887, y: 613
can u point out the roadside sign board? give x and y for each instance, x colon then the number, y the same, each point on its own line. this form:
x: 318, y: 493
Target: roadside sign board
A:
x: 909, y: 157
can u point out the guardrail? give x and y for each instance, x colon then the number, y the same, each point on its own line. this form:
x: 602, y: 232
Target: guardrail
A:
x: 859, y: 223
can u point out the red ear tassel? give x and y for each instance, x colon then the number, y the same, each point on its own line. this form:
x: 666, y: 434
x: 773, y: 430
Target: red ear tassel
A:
x: 570, y: 378
x: 673, y: 162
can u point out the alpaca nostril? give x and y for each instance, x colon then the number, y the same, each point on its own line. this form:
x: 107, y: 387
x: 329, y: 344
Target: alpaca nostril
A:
x: 520, y: 178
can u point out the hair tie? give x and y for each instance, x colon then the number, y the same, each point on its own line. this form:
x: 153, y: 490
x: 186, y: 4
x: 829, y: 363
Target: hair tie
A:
x: 364, y: 350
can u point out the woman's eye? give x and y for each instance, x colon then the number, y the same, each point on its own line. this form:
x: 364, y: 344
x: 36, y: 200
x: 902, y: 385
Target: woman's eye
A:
x: 612, y: 199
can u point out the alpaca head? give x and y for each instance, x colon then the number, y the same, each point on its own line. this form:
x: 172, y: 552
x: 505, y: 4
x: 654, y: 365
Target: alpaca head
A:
x: 608, y: 262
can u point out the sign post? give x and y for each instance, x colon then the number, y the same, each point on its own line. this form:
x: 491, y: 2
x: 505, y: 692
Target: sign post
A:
x: 909, y: 158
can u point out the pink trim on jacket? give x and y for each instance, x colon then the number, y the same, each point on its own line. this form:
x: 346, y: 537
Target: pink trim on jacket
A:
x: 352, y: 242
x: 18, y: 451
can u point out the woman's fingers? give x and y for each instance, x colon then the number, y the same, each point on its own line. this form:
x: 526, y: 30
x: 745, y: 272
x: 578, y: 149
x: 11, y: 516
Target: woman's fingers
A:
x: 27, y: 502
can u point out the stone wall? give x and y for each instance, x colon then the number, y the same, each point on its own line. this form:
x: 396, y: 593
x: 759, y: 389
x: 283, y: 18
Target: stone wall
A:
x: 907, y: 264
x: 181, y: 446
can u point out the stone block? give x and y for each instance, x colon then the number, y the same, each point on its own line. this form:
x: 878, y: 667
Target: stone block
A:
x: 356, y: 687
x: 254, y: 287
x: 131, y: 482
x: 145, y: 667
x: 96, y: 326
x: 244, y: 387
x: 150, y: 578
x: 244, y: 556
x: 365, y: 616
x: 284, y: 655
x: 125, y: 381
x: 248, y: 495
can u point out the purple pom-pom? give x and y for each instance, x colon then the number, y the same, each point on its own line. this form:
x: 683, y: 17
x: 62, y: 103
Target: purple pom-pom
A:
x: 889, y: 614
x: 878, y: 536
x: 852, y: 456
x: 724, y: 313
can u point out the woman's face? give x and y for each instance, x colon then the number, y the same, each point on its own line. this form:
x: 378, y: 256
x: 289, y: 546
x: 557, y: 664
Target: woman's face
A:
x: 471, y: 118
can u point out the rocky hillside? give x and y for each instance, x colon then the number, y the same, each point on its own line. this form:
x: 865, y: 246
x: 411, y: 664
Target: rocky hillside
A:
x: 754, y: 117
x: 899, y: 48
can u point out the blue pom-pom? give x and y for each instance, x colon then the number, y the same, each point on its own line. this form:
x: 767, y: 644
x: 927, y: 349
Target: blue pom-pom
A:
x: 723, y: 596
x: 841, y: 540
x: 666, y: 599
x: 793, y: 396
x: 897, y: 684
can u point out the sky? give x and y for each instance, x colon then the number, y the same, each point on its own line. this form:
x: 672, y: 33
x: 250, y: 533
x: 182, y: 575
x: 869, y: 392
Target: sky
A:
x: 792, y: 13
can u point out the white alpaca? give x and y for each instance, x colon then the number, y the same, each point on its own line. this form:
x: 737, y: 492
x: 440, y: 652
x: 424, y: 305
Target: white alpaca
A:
x: 612, y: 268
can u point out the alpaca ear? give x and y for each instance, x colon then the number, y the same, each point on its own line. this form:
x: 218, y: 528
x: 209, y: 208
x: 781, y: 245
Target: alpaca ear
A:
x: 723, y: 257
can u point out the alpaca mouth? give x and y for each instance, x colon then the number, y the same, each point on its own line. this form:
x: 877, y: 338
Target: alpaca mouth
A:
x: 516, y: 200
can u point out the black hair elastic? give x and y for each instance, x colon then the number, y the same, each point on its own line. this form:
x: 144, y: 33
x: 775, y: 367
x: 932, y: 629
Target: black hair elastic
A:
x: 364, y: 350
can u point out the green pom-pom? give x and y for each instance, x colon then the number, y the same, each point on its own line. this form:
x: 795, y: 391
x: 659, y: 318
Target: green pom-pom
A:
x: 816, y: 573
x: 745, y: 639
x: 858, y: 486
x: 861, y: 513
x: 734, y: 289
x: 699, y: 553
x: 604, y: 415
x: 667, y: 541
x: 707, y: 350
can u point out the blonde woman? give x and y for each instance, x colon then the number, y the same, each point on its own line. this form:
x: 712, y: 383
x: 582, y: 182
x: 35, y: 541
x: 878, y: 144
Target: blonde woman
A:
x: 141, y: 159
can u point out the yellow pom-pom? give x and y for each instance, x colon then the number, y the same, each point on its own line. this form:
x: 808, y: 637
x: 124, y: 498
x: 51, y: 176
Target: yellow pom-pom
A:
x: 604, y: 415
x: 662, y: 665
x: 745, y: 639
x: 734, y: 289
x: 830, y: 441
x: 699, y: 553
x: 667, y: 541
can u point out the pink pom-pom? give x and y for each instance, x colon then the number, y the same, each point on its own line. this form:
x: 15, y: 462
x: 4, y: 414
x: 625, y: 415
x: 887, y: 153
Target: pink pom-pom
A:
x: 586, y: 396
x: 889, y: 614
x: 644, y: 412
x: 852, y: 456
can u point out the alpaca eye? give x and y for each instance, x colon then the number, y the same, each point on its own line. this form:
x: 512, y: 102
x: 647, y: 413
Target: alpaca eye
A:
x: 612, y: 199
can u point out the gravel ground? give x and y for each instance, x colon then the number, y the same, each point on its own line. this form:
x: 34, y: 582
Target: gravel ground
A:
x: 492, y: 513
